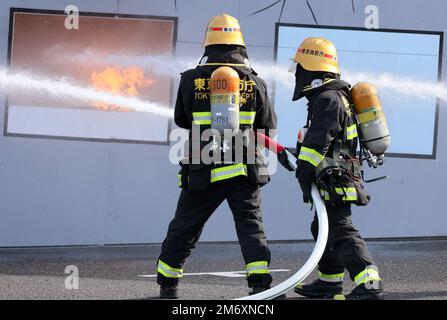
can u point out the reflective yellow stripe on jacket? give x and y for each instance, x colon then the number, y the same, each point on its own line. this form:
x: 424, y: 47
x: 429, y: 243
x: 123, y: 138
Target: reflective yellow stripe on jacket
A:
x: 245, y: 117
x: 351, y: 194
x: 310, y: 155
x: 351, y: 132
x: 201, y: 117
x: 228, y: 172
x: 257, y: 267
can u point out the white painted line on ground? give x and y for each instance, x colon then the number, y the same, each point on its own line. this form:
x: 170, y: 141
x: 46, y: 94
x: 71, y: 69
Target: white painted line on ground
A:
x: 228, y: 274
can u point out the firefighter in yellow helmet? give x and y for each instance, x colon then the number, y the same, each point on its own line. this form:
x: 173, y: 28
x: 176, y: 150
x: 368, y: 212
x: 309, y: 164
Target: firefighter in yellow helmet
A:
x: 223, y: 29
x: 224, y: 65
x: 327, y: 156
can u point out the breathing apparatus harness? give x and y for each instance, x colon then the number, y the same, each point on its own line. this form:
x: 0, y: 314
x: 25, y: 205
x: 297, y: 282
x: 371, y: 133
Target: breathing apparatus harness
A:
x: 342, y: 168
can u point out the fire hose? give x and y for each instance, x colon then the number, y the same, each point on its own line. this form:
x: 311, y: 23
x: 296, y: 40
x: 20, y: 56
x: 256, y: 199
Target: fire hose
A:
x: 320, y: 245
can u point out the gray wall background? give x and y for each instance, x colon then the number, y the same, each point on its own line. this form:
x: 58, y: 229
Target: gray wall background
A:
x: 55, y: 192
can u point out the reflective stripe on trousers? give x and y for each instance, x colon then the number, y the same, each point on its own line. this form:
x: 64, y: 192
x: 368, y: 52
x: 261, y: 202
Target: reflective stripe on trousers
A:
x: 338, y: 277
x: 351, y: 194
x: 310, y: 155
x: 168, y: 271
x: 371, y: 273
x: 257, y: 267
x: 228, y: 172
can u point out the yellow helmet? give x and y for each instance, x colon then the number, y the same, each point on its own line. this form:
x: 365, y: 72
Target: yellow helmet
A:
x: 223, y: 29
x: 316, y: 54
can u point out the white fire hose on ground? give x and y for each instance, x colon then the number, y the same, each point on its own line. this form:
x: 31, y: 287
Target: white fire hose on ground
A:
x: 311, y: 263
x: 317, y: 253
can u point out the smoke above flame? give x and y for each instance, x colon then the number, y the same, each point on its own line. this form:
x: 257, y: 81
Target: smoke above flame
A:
x: 119, y: 81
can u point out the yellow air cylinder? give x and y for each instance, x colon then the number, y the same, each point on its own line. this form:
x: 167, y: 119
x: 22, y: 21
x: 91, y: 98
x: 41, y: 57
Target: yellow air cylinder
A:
x: 225, y: 97
x: 372, y: 121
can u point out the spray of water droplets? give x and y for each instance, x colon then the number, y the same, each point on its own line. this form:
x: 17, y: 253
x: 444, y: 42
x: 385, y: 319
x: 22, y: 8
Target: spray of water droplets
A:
x: 170, y: 66
x: 21, y: 81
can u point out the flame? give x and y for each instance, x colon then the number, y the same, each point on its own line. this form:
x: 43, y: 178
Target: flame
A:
x: 120, y: 82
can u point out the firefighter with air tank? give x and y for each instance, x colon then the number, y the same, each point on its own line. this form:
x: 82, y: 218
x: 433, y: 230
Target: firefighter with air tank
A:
x: 327, y: 156
x: 222, y: 93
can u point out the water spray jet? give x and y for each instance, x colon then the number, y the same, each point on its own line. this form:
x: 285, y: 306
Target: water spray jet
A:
x: 63, y: 87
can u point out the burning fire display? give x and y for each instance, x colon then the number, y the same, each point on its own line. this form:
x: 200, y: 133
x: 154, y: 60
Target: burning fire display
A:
x: 119, y: 81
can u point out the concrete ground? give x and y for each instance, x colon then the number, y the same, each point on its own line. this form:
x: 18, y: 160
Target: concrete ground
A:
x: 410, y: 270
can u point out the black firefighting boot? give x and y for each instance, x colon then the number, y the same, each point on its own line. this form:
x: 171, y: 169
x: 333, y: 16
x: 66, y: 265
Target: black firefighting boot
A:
x: 258, y: 283
x: 261, y: 282
x: 167, y: 292
x: 257, y: 289
x: 320, y: 289
x: 371, y: 290
x: 168, y: 287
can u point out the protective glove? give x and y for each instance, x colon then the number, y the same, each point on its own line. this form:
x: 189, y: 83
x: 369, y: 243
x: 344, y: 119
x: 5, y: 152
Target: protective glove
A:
x: 305, y: 174
x: 283, y: 159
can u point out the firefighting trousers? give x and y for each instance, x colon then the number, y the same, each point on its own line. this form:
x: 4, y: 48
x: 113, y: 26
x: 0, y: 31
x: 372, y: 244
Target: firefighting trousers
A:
x: 345, y: 247
x: 195, y: 207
